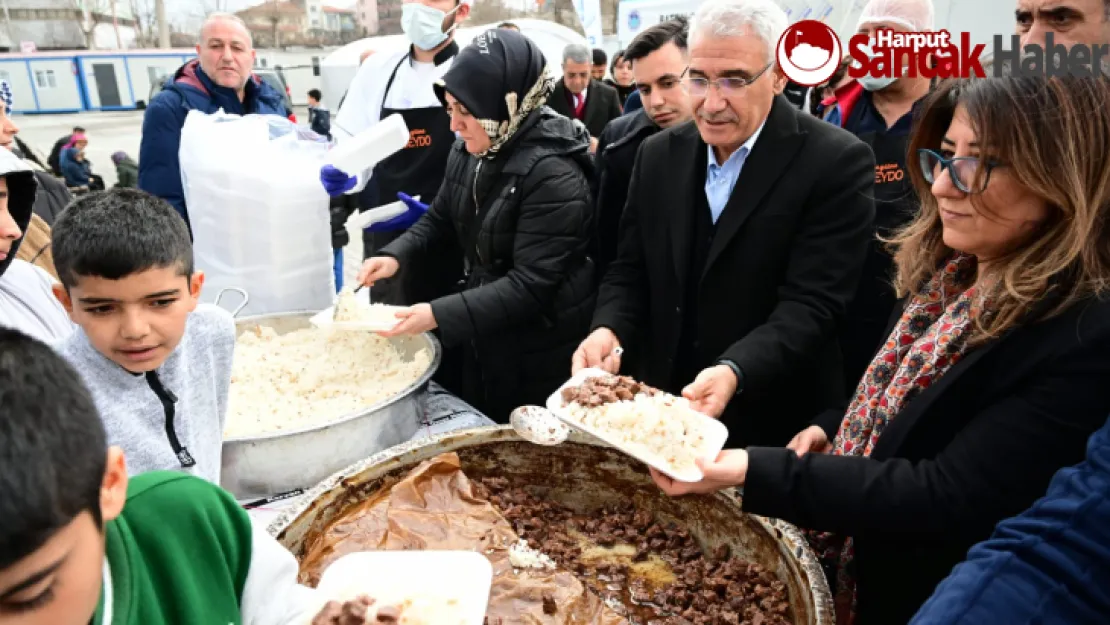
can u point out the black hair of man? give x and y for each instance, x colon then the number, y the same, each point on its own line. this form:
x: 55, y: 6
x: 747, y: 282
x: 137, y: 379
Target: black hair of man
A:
x: 512, y: 26
x: 116, y: 233
x: 53, y: 448
x: 600, y: 58
x: 675, y: 30
x: 315, y: 94
x: 77, y: 129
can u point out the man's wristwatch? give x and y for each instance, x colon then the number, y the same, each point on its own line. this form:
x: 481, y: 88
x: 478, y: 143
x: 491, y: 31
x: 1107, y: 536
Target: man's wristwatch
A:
x: 739, y: 373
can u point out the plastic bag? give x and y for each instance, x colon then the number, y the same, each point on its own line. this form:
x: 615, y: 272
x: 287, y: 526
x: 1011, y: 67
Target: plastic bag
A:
x: 259, y: 216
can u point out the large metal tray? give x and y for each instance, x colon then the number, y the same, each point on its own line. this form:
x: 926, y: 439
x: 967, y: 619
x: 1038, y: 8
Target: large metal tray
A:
x: 583, y: 474
x: 268, y: 464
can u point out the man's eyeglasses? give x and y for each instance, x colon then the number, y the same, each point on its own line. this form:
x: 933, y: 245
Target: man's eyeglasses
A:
x: 727, y: 86
x: 963, y: 170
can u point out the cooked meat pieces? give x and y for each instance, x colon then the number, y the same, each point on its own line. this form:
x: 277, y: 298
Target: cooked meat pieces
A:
x: 349, y: 613
x: 700, y: 589
x: 605, y: 389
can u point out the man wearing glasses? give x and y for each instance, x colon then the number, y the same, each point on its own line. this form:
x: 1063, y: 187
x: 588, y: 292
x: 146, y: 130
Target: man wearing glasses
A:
x: 742, y: 241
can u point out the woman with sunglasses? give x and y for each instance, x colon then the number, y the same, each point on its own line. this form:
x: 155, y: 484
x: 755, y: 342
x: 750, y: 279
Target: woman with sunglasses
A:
x: 997, y: 365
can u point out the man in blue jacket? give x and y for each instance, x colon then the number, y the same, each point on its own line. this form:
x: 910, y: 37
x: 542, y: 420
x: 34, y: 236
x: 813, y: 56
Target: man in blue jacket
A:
x: 1050, y: 565
x: 219, y: 78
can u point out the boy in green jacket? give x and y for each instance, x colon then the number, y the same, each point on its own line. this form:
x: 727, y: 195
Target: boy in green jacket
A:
x: 80, y: 544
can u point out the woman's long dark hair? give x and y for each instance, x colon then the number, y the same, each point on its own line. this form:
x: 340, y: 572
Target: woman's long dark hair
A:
x: 1053, y: 136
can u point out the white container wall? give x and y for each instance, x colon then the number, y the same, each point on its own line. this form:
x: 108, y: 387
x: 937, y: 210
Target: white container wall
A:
x: 54, y: 84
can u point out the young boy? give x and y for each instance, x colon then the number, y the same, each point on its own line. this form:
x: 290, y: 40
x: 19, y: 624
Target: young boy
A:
x: 80, y: 543
x: 157, y: 363
x: 319, y: 118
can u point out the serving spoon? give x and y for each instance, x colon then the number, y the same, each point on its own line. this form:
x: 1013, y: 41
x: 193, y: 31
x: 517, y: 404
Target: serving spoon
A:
x: 537, y: 425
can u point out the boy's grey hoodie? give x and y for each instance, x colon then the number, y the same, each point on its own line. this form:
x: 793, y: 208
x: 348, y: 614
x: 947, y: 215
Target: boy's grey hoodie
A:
x: 143, y: 420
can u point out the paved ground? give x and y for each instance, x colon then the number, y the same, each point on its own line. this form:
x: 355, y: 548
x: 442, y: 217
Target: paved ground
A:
x: 122, y: 130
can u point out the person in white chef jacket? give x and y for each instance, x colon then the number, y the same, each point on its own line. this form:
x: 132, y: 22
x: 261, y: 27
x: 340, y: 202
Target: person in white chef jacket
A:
x: 401, y: 83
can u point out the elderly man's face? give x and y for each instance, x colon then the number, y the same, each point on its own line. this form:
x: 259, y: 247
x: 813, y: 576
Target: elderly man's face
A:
x: 576, y: 76
x: 727, y: 114
x: 226, y: 54
x: 1069, y: 21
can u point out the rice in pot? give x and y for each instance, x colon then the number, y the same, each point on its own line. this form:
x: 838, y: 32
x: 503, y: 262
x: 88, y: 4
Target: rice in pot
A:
x: 312, y: 377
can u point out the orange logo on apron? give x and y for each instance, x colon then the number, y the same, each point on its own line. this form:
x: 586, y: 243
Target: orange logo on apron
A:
x: 889, y: 172
x: 419, y: 138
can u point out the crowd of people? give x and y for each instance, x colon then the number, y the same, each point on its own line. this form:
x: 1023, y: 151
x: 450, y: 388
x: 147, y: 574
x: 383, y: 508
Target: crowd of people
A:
x: 896, y: 296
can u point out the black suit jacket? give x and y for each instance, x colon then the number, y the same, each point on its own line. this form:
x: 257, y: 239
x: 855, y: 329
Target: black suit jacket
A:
x: 978, y: 446
x: 602, y: 105
x: 782, y: 267
x: 616, y: 155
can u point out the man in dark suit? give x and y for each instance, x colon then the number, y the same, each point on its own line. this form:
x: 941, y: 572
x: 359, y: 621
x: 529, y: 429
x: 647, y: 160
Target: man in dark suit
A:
x: 658, y: 56
x: 742, y: 241
x: 578, y: 96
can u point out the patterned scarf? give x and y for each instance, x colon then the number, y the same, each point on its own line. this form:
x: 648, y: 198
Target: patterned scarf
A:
x: 929, y: 338
x: 501, y: 77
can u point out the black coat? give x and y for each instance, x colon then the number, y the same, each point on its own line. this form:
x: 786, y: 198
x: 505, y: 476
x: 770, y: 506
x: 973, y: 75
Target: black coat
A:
x: 603, y: 105
x: 783, y: 265
x: 978, y: 446
x: 529, y: 282
x: 616, y: 154
x: 341, y: 209
x: 51, y: 198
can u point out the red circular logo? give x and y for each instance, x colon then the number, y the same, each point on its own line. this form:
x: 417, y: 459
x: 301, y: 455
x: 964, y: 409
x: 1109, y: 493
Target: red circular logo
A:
x: 809, y: 52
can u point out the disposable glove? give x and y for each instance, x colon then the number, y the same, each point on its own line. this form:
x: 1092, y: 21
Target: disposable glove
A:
x: 416, y: 209
x: 336, y: 182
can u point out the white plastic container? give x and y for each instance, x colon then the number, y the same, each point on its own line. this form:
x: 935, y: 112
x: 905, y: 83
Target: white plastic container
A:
x: 259, y: 215
x: 371, y: 146
x: 439, y: 587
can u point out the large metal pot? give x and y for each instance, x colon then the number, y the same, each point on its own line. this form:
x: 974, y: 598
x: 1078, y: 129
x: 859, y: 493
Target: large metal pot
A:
x: 267, y: 464
x: 584, y: 474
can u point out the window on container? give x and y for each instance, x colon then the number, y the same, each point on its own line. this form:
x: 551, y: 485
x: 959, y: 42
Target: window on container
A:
x: 45, y: 79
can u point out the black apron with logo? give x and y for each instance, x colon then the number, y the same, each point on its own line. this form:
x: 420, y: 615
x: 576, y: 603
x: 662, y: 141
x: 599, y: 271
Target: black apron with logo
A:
x: 895, y: 205
x: 416, y: 170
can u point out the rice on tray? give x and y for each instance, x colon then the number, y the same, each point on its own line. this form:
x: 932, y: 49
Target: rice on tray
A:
x: 640, y: 419
x: 311, y: 377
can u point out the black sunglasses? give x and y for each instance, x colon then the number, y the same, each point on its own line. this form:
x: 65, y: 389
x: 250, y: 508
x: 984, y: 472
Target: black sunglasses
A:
x: 963, y: 170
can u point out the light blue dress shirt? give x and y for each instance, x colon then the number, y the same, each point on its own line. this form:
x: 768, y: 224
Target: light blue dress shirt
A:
x: 720, y: 180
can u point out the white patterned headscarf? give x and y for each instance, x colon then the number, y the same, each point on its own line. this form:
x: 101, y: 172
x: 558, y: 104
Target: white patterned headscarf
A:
x: 501, y: 77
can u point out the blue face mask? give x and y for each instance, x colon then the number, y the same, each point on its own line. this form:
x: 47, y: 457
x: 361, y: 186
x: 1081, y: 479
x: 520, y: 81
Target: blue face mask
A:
x: 423, y: 25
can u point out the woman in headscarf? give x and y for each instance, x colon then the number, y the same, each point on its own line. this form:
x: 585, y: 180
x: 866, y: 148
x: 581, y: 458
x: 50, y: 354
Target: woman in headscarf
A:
x: 127, y: 171
x: 515, y: 203
x: 996, y: 370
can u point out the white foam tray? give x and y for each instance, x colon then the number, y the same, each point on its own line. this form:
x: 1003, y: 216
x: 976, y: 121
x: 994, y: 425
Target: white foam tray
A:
x: 326, y: 319
x: 716, y: 434
x: 455, y: 584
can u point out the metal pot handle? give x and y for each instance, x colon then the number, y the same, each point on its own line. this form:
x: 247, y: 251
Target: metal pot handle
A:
x: 242, y: 305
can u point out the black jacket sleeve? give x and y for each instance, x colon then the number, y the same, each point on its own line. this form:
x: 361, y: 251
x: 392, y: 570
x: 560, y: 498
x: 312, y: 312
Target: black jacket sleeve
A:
x: 622, y: 304
x: 551, y: 237
x: 1002, y: 460
x: 825, y: 264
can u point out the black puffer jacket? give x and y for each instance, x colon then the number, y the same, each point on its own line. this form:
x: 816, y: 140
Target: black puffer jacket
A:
x: 525, y: 225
